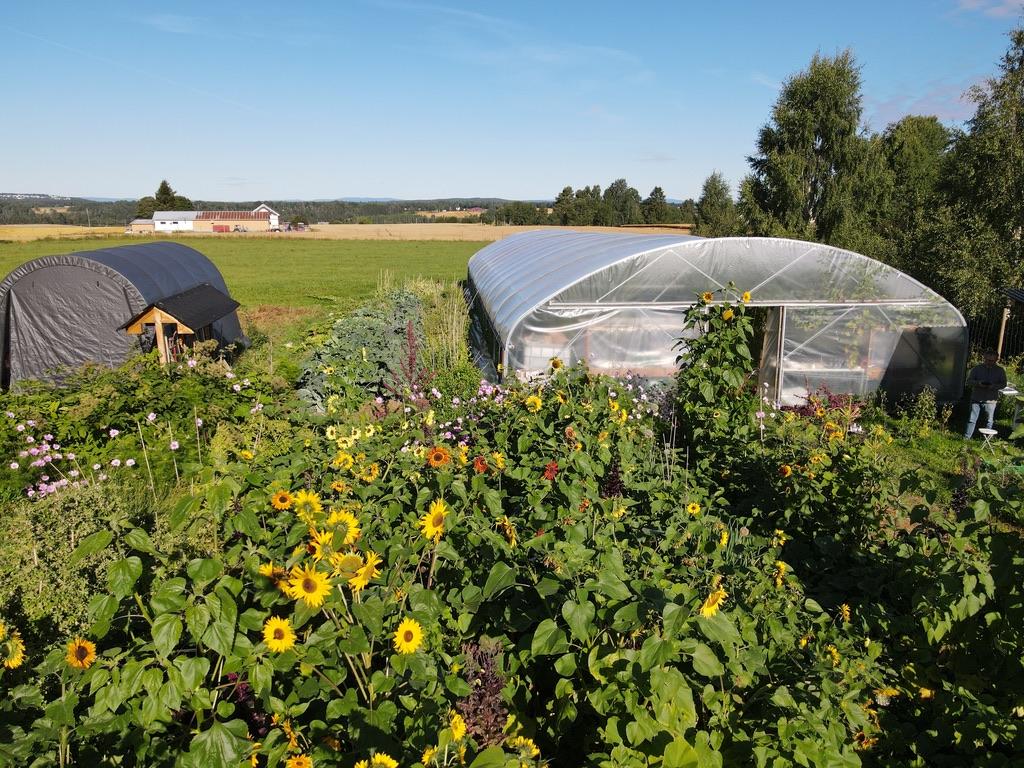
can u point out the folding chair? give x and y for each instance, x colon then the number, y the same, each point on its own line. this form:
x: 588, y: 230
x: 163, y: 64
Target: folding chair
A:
x: 988, y: 434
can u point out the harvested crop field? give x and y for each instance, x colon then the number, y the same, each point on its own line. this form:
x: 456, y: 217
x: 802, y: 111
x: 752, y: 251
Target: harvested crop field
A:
x: 22, y: 233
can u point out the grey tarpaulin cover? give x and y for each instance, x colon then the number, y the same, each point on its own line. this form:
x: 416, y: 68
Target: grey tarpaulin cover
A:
x: 834, y: 318
x: 57, y: 312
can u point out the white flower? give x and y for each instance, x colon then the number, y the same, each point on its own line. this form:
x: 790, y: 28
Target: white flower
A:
x: 129, y: 462
x: 236, y: 387
x: 115, y: 462
x: 115, y: 432
x: 230, y: 375
x: 192, y: 363
x: 174, y: 445
x: 96, y: 467
x: 150, y: 417
x: 199, y: 422
x: 29, y: 439
x: 102, y: 477
x: 14, y: 465
x: 20, y: 427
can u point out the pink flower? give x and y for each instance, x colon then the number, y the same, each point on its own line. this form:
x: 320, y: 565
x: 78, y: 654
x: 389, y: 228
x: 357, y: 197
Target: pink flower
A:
x: 230, y: 375
x: 115, y: 432
x: 20, y: 427
x: 73, y: 473
x: 31, y: 423
x: 150, y: 417
x: 47, y: 438
x: 71, y: 456
x: 199, y: 422
x: 29, y: 439
x: 96, y: 467
x: 174, y: 445
x: 130, y: 463
x: 115, y: 462
x: 192, y: 363
x: 14, y: 465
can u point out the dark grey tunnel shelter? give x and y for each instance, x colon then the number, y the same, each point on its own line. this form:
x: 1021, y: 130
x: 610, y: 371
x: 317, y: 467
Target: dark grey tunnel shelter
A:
x: 58, y: 312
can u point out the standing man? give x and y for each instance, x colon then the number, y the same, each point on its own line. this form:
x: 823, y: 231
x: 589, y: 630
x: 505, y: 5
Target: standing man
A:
x: 986, y: 380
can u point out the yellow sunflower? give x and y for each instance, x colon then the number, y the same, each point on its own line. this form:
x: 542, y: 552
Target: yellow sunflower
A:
x: 712, y: 603
x: 556, y: 363
x: 432, y: 523
x: 343, y: 460
x: 281, y: 500
x: 307, y: 504
x: 309, y: 585
x: 81, y: 653
x: 320, y: 542
x: 15, y: 650
x: 345, y: 564
x: 408, y: 636
x: 278, y: 634
x: 370, y: 472
x: 780, y: 572
x: 745, y: 298
x: 785, y: 470
x: 366, y: 572
x: 693, y: 508
x: 508, y: 530
x: 499, y: 460
x: 428, y: 755
x: 523, y: 745
x: 533, y: 403
x: 351, y: 523
x: 340, y: 486
x: 458, y: 726
x: 728, y: 314
x: 299, y: 761
x: 379, y: 760
x: 438, y: 456
x: 707, y: 297
x: 463, y: 455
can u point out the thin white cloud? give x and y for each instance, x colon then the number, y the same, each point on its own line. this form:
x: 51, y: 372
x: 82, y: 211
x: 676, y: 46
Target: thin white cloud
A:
x: 768, y: 82
x: 946, y: 100
x: 999, y: 9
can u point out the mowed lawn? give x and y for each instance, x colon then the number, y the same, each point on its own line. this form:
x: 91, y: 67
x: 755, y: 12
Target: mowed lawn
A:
x: 291, y: 273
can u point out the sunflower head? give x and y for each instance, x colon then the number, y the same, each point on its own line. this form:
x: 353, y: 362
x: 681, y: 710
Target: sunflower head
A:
x: 15, y: 649
x: 408, y: 636
x: 309, y: 585
x: 533, y: 403
x: 745, y: 298
x: 707, y: 297
x: 307, y: 504
x: 713, y: 602
x: 281, y: 500
x: 365, y: 573
x: 438, y: 456
x: 785, y: 470
x: 432, y: 523
x: 556, y: 363
x: 693, y: 508
x: 278, y: 634
x: 728, y: 314
x: 81, y: 653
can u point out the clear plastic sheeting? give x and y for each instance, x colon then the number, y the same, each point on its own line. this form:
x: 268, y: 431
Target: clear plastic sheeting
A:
x: 837, y: 319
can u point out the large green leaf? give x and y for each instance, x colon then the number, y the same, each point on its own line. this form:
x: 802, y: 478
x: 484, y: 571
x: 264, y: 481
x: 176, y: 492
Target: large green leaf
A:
x: 122, y: 576
x: 90, y: 545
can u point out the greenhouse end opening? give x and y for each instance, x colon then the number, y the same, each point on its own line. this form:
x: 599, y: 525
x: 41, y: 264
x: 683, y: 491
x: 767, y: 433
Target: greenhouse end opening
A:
x: 833, y: 318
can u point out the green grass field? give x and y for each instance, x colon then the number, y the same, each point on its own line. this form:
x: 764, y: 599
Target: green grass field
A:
x: 292, y: 273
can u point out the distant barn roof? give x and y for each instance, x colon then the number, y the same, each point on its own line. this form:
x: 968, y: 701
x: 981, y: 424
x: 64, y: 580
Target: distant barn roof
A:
x: 234, y: 215
x: 175, y: 215
x: 196, y: 307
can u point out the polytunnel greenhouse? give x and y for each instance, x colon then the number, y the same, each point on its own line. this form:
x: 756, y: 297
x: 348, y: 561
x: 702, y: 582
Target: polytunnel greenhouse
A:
x: 831, y: 318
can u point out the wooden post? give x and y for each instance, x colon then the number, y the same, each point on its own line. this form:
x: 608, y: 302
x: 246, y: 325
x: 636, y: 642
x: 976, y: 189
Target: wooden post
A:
x: 1002, y: 330
x: 161, y: 342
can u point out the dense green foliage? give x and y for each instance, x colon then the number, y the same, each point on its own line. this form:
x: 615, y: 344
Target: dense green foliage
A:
x: 574, y: 572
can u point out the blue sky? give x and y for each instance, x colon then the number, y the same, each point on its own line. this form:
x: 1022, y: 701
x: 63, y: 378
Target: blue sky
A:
x: 402, y: 98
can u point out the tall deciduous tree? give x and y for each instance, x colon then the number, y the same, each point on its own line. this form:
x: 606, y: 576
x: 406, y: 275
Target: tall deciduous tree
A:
x: 655, y: 207
x: 716, y: 211
x: 624, y: 202
x: 809, y: 154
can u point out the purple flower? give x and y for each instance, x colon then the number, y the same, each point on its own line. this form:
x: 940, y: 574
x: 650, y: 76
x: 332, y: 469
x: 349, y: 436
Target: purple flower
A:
x: 45, y: 478
x: 455, y: 401
x: 192, y: 363
x: 29, y: 439
x: 115, y: 462
x: 20, y: 427
x: 199, y: 422
x: 14, y: 465
x: 759, y: 415
x: 174, y: 445
x: 34, y: 451
x: 115, y: 432
x: 256, y: 408
x: 378, y: 400
x: 30, y: 493
x: 47, y: 438
x: 73, y: 473
x: 129, y: 462
x: 31, y: 423
x: 71, y: 456
x: 230, y: 375
x: 150, y: 417
x: 10, y: 414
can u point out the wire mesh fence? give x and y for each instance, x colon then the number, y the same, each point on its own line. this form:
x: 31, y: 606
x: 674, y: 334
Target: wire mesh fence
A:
x: 984, y: 331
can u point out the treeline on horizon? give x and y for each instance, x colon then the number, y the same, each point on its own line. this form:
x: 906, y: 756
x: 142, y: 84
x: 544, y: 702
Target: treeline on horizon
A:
x: 943, y: 204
